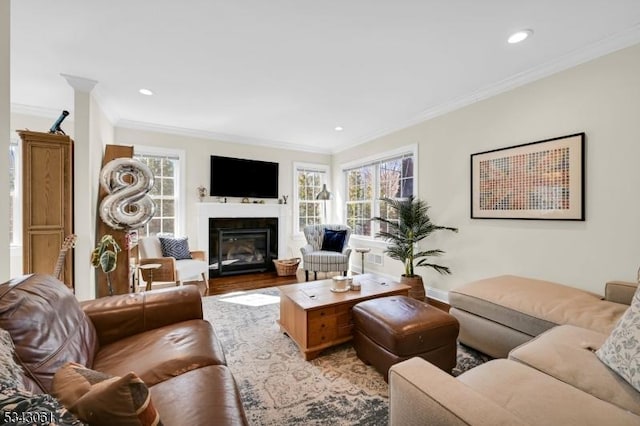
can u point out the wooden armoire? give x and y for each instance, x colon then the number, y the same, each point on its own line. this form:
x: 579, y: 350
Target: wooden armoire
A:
x: 47, y: 202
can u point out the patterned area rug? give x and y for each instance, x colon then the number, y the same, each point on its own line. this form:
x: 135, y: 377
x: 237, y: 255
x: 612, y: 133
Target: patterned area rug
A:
x: 278, y: 387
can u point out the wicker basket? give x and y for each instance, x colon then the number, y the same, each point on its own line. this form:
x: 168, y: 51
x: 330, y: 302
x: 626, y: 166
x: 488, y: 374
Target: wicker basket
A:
x: 286, y: 267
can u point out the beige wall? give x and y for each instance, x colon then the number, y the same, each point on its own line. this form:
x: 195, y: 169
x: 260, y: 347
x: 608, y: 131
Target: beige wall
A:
x: 601, y: 98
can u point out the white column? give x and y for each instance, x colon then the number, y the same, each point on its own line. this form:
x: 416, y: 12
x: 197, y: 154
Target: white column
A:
x: 84, y: 226
x: 5, y: 128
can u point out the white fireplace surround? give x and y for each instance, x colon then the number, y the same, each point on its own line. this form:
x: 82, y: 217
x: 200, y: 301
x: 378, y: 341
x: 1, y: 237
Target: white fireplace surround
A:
x: 240, y: 210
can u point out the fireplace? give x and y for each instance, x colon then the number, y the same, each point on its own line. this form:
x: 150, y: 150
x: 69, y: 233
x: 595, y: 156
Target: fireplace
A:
x: 242, y: 245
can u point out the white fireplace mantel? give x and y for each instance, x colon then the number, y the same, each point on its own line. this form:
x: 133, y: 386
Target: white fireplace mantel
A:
x: 233, y: 210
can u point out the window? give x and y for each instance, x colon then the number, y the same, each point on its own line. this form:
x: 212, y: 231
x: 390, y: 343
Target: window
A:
x: 308, y: 181
x: 15, y: 222
x: 391, y: 176
x: 166, y: 193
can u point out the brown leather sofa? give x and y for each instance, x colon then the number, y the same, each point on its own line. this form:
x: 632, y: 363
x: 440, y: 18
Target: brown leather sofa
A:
x: 160, y: 335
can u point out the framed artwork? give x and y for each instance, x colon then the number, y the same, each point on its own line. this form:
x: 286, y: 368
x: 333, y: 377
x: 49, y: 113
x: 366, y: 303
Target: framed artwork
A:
x: 537, y: 180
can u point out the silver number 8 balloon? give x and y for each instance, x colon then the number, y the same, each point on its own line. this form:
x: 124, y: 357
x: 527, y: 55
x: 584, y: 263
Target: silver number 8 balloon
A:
x: 128, y: 206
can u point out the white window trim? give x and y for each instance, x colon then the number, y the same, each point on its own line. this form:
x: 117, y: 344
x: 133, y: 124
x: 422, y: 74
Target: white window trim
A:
x: 181, y: 179
x: 296, y: 201
x: 375, y: 158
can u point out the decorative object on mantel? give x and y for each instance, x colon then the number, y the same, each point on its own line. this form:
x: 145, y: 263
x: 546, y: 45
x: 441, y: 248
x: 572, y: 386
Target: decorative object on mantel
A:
x: 105, y: 255
x: 537, y: 180
x: 284, y: 198
x: 202, y: 192
x: 127, y: 205
x: 55, y: 128
x: 403, y: 236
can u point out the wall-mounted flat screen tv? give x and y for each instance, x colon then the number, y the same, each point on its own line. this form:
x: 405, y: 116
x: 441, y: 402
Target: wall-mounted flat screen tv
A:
x: 238, y: 177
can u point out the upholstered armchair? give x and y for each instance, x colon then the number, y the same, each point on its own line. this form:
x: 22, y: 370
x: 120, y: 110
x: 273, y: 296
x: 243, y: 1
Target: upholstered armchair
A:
x: 326, y: 253
x: 172, y: 269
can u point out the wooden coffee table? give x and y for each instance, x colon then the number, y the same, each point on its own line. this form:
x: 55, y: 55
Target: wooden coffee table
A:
x: 317, y: 318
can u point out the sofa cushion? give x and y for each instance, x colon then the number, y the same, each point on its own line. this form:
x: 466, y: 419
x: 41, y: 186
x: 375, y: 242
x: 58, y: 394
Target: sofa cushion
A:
x: 621, y: 350
x: 100, y: 399
x: 567, y: 353
x: 47, y: 326
x: 190, y: 268
x: 540, y: 399
x: 534, y: 306
x: 21, y: 407
x: 207, y: 396
x: 177, y: 248
x: 162, y: 353
x: 333, y: 240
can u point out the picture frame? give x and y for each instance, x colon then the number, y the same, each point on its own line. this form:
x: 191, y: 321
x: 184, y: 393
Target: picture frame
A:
x: 537, y: 180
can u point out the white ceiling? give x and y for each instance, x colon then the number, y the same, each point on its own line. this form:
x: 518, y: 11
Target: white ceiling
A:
x: 287, y: 72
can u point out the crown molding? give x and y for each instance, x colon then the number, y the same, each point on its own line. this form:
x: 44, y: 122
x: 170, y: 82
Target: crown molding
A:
x: 221, y: 137
x: 607, y: 45
x: 80, y: 84
x: 35, y: 111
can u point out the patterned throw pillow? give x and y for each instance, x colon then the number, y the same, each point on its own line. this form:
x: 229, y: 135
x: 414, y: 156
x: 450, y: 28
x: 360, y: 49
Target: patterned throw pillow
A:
x: 621, y: 350
x: 10, y: 371
x: 333, y: 240
x: 100, y: 399
x: 177, y: 248
x: 21, y: 408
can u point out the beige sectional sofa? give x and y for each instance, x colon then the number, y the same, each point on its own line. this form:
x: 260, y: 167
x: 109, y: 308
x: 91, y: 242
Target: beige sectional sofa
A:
x: 553, y: 378
x: 497, y: 314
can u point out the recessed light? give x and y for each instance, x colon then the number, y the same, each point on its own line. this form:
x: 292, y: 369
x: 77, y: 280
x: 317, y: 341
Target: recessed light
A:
x: 145, y: 92
x: 338, y: 129
x: 519, y: 36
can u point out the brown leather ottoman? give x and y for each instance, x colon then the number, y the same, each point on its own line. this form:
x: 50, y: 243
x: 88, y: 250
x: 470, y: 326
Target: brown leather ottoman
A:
x: 392, y: 329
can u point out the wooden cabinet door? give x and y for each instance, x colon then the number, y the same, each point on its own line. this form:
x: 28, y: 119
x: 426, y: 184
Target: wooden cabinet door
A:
x: 47, y: 201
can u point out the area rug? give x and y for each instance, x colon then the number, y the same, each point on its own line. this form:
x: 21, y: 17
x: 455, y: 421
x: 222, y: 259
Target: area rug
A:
x: 278, y: 387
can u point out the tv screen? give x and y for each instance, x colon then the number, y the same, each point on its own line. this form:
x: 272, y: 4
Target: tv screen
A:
x: 237, y: 177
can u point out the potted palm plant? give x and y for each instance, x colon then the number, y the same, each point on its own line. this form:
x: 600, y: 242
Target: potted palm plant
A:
x: 105, y: 256
x: 403, y: 235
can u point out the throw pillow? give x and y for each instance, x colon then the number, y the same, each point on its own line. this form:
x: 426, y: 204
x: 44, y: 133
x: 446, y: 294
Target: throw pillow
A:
x: 177, y: 248
x: 20, y: 407
x: 333, y: 240
x: 621, y: 350
x: 101, y: 399
x: 10, y: 371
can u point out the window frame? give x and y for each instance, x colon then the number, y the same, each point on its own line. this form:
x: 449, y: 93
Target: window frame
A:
x: 375, y: 160
x: 326, y: 179
x: 180, y: 177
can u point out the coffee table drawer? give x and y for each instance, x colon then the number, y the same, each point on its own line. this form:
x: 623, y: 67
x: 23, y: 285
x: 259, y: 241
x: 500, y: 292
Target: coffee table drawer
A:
x: 321, y: 313
x: 322, y: 330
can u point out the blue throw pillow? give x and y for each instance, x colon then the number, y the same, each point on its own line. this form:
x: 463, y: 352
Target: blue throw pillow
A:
x: 333, y: 240
x: 177, y: 248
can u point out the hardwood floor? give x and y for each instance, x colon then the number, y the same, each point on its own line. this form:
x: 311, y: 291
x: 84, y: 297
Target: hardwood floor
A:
x: 244, y: 282
x: 231, y: 283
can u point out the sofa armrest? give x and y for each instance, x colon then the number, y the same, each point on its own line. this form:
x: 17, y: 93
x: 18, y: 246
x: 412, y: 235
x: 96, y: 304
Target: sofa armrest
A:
x: 422, y: 394
x: 197, y: 254
x: 306, y: 249
x: 124, y: 315
x: 620, y: 291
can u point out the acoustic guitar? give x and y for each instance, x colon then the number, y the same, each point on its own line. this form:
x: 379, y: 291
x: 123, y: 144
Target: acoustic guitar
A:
x: 69, y: 242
